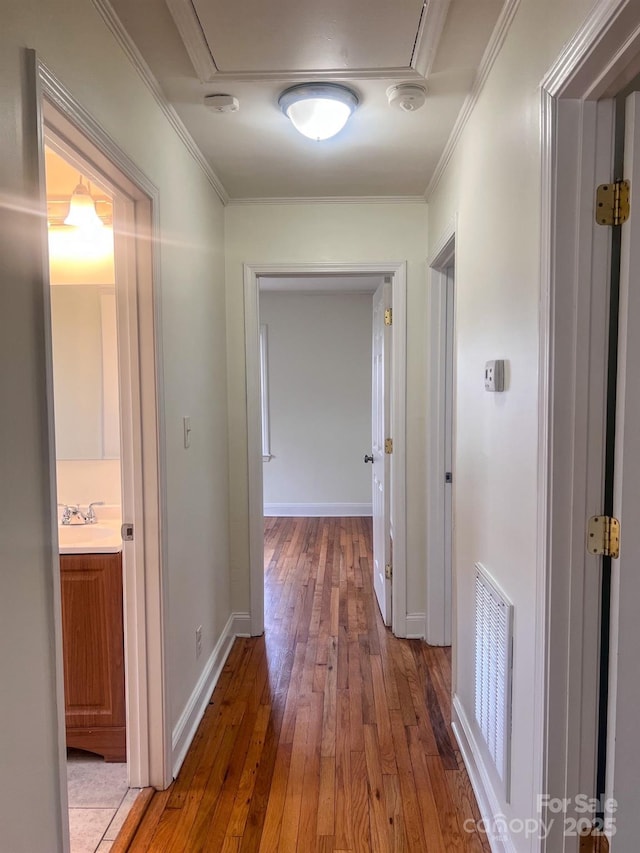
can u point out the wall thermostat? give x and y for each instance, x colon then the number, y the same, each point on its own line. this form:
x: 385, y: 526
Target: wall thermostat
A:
x: 494, y: 375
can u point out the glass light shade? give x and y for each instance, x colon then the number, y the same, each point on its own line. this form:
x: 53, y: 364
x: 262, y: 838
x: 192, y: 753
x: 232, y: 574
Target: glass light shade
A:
x: 82, y: 209
x: 318, y: 111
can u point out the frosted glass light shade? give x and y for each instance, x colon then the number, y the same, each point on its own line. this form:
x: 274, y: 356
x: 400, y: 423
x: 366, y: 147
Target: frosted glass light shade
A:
x: 82, y: 209
x: 318, y: 111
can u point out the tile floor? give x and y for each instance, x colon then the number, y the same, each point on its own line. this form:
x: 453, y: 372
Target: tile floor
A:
x: 99, y: 801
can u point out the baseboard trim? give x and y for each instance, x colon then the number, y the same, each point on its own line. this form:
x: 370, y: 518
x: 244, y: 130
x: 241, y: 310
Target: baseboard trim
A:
x: 491, y: 812
x: 185, y: 728
x: 241, y: 624
x: 329, y: 510
x: 415, y: 626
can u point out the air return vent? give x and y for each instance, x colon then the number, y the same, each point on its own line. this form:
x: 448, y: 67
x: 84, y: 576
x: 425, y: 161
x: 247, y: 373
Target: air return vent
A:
x: 494, y: 648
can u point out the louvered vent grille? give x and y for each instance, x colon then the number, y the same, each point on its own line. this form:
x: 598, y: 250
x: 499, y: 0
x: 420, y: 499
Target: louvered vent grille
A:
x: 494, y: 643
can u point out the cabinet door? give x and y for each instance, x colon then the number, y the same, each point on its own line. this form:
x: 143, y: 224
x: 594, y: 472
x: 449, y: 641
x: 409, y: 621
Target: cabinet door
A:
x: 93, y: 638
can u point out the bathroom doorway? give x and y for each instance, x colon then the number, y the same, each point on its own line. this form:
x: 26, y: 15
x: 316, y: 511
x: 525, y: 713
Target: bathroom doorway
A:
x: 86, y: 392
x: 100, y: 322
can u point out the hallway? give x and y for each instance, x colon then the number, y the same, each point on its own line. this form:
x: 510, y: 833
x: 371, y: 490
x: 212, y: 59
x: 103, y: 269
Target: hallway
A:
x: 326, y: 734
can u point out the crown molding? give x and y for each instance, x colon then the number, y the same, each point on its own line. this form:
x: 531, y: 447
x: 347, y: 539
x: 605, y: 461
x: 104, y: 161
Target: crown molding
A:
x: 431, y: 28
x: 371, y: 199
x: 613, y: 26
x: 489, y: 57
x: 125, y: 41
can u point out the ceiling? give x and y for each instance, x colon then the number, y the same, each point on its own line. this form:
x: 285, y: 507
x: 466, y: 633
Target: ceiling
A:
x: 253, y: 50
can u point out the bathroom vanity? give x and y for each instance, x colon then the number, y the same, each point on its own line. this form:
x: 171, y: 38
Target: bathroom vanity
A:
x: 93, y: 643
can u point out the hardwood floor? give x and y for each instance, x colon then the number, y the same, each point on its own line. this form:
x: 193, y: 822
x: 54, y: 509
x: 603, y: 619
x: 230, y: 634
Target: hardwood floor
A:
x: 327, y: 734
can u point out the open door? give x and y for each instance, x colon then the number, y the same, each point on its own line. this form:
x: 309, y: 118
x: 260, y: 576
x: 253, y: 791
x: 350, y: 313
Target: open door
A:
x: 380, y: 431
x: 623, y: 745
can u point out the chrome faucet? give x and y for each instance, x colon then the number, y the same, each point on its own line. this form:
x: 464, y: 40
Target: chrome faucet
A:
x: 72, y: 511
x: 90, y: 517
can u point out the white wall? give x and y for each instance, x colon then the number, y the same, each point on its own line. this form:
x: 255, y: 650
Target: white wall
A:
x: 315, y: 233
x: 85, y: 480
x: 319, y: 368
x: 493, y: 184
x: 191, y: 289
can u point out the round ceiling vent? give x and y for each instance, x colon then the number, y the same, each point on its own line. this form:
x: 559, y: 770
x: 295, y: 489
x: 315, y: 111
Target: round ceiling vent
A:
x: 407, y: 97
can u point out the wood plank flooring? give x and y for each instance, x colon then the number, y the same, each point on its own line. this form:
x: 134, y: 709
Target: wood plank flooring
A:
x: 327, y: 734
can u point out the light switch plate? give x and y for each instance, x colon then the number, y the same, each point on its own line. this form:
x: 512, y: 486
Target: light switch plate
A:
x: 494, y: 375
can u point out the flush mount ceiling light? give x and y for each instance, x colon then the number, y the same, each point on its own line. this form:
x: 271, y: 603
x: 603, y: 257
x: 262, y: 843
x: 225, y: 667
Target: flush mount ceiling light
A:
x: 318, y: 110
x: 82, y: 209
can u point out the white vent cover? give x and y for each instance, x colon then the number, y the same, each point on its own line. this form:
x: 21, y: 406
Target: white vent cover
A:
x: 494, y: 649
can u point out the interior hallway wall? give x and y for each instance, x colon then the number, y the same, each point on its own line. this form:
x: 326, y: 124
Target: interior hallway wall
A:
x: 319, y: 366
x: 307, y: 233
x: 78, y: 47
x: 492, y: 183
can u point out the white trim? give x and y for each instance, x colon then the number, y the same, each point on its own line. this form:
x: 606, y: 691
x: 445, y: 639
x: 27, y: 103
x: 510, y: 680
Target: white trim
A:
x: 264, y: 392
x: 488, y: 803
x: 415, y: 626
x: 489, y: 57
x: 148, y: 732
x: 317, y: 510
x: 188, y: 25
x: 34, y: 109
x: 241, y: 624
x: 338, y: 199
x: 438, y: 604
x: 428, y: 41
x: 189, y: 720
x: 127, y: 44
x: 252, y: 273
x: 287, y: 76
x: 612, y: 29
x: 577, y: 154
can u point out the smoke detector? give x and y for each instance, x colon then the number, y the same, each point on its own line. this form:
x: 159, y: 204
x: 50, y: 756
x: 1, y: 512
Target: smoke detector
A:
x: 222, y: 103
x: 407, y: 97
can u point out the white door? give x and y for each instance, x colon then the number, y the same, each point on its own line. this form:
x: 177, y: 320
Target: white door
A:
x: 381, y: 430
x: 623, y: 752
x: 448, y: 455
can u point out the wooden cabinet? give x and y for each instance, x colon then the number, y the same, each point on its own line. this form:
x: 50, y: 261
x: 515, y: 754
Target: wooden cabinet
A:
x: 93, y: 641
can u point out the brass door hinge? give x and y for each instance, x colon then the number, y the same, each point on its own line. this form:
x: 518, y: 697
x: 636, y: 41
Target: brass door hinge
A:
x: 388, y: 571
x: 603, y: 536
x: 388, y: 317
x: 612, y: 203
x: 388, y: 445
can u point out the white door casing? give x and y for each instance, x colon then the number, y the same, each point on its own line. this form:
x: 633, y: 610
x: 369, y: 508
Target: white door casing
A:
x: 440, y: 417
x: 139, y: 325
x: 623, y: 745
x: 577, y: 132
x: 380, y: 424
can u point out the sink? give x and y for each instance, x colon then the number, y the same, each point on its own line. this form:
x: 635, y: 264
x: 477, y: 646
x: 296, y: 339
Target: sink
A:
x: 88, y: 538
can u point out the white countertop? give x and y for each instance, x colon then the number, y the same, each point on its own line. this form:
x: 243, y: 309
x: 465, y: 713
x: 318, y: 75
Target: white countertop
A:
x: 103, y: 537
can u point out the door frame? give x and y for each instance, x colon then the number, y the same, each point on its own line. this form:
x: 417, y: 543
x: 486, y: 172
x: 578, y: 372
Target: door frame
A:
x: 148, y: 735
x: 577, y: 115
x: 252, y: 273
x: 439, y: 576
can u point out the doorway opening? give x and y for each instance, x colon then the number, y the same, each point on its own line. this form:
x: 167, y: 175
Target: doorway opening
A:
x: 86, y: 393
x: 100, y: 328
x: 360, y: 280
x: 440, y: 456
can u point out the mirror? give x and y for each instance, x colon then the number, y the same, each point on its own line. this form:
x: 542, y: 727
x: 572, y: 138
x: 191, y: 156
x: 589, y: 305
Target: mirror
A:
x: 85, y: 371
